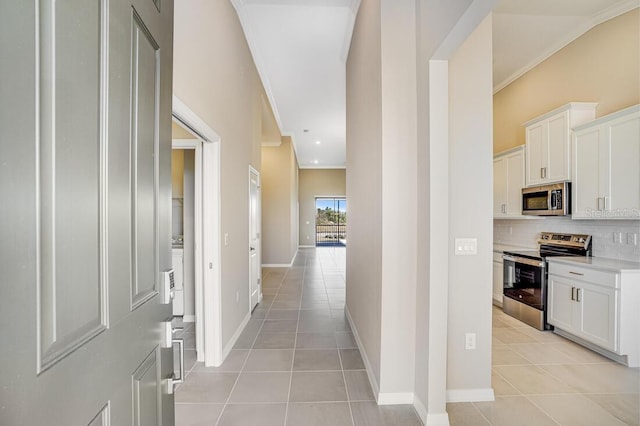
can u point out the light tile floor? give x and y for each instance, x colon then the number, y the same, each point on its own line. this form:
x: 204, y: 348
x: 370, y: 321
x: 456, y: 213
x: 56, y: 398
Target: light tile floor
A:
x: 540, y: 378
x: 296, y: 363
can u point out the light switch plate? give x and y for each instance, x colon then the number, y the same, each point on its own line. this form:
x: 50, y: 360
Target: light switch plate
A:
x: 632, y: 239
x: 466, y: 246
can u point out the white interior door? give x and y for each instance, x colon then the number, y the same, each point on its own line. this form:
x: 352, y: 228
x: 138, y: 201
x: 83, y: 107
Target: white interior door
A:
x: 254, y: 237
x: 86, y: 211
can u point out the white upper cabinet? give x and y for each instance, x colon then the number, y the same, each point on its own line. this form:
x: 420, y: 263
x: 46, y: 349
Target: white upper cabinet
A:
x: 606, y: 169
x: 508, y: 181
x: 548, y: 142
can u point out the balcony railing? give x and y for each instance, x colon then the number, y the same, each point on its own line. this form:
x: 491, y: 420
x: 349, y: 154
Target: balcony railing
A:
x: 331, y: 235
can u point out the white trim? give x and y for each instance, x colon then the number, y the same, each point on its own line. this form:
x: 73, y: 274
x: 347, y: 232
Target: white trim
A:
x: 231, y: 343
x: 277, y: 265
x: 211, y: 325
x: 198, y: 220
x: 375, y: 387
x: 193, y: 122
x: 395, y: 398
x: 188, y: 318
x: 607, y: 14
x: 258, y: 248
x: 470, y: 395
x: 320, y: 166
x: 306, y: 247
x: 430, y: 419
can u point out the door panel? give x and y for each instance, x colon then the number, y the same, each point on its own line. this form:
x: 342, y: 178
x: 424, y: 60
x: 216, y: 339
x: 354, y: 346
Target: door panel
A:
x: 558, y: 155
x: 88, y: 178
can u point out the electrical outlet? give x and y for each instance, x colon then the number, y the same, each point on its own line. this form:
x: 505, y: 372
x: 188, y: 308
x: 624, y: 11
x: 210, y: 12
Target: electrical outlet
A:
x: 226, y: 239
x: 632, y: 239
x: 470, y: 341
x: 617, y: 237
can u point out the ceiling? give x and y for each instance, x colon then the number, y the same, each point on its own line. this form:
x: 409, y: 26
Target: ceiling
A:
x: 300, y: 49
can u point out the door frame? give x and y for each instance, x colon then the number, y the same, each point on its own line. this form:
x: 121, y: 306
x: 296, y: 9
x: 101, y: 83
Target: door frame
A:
x: 259, y: 226
x: 207, y: 229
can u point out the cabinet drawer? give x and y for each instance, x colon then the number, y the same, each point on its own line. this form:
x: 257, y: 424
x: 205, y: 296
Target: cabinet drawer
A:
x: 577, y: 272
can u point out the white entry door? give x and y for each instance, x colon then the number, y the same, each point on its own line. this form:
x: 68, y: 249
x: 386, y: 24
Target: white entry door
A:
x: 85, y: 152
x: 254, y: 237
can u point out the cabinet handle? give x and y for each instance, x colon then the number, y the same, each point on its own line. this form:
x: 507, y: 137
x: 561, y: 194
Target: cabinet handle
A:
x: 575, y: 273
x: 599, y: 204
x: 577, y: 294
x: 605, y: 202
x: 543, y: 172
x: 573, y: 293
x: 504, y: 208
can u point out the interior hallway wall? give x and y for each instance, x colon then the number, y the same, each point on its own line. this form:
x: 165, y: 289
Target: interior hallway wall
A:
x: 279, y: 190
x: 471, y: 215
x: 602, y: 65
x: 313, y: 183
x: 215, y: 76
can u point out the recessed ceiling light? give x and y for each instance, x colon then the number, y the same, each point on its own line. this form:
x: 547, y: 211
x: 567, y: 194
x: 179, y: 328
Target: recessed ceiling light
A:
x: 318, y: 142
x: 306, y: 130
x: 315, y: 161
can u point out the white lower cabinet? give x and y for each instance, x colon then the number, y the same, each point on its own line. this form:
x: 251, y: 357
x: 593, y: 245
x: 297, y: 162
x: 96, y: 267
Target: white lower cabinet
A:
x: 597, y: 306
x: 588, y: 311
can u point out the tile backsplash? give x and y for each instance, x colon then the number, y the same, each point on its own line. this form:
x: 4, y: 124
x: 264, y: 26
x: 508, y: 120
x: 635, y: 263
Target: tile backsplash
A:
x: 524, y: 233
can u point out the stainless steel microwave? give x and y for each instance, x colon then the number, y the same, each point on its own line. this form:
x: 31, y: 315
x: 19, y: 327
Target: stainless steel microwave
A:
x: 547, y: 200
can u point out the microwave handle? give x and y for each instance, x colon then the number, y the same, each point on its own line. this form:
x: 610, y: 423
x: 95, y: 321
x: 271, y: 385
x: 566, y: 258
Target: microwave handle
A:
x: 553, y: 200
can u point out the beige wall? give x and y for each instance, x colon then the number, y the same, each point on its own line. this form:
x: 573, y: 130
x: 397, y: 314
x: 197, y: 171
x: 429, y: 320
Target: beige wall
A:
x: 603, y: 66
x: 313, y: 183
x: 214, y: 75
x: 279, y: 203
x: 179, y: 132
x: 364, y: 179
x: 470, y: 212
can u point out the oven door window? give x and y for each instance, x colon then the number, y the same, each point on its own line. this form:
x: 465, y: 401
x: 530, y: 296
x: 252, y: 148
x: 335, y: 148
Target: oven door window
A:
x: 524, y: 283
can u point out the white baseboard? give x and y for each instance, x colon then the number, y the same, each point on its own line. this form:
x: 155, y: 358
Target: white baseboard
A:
x: 306, y: 246
x: 470, y: 395
x: 281, y: 265
x: 395, y: 398
x: 235, y: 337
x: 188, y: 318
x: 439, y: 419
x: 375, y: 387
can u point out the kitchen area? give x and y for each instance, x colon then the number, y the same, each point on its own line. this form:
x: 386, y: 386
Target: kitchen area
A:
x: 566, y: 255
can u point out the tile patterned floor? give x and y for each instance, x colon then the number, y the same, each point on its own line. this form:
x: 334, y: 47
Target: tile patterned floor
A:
x: 540, y: 378
x: 296, y: 363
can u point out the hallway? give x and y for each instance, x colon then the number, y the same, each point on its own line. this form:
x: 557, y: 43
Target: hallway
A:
x: 296, y: 362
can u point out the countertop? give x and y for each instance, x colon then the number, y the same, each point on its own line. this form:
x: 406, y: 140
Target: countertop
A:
x: 602, y: 263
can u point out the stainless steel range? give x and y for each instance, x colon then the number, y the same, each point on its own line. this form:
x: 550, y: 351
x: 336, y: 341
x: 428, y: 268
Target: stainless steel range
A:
x: 525, y: 275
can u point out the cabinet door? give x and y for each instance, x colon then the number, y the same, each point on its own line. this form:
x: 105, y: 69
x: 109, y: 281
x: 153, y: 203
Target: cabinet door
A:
x: 563, y: 310
x: 499, y: 186
x: 623, y: 183
x: 497, y: 281
x: 586, y: 173
x: 558, y: 155
x: 537, y: 146
x: 515, y: 183
x: 598, y: 315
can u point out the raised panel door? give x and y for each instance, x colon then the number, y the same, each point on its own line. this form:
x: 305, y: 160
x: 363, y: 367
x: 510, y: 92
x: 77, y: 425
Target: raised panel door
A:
x: 598, y: 315
x: 558, y: 149
x: 515, y: 183
x: 586, y: 173
x: 500, y: 179
x: 562, y: 311
x: 623, y: 187
x: 86, y: 227
x: 536, y: 146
